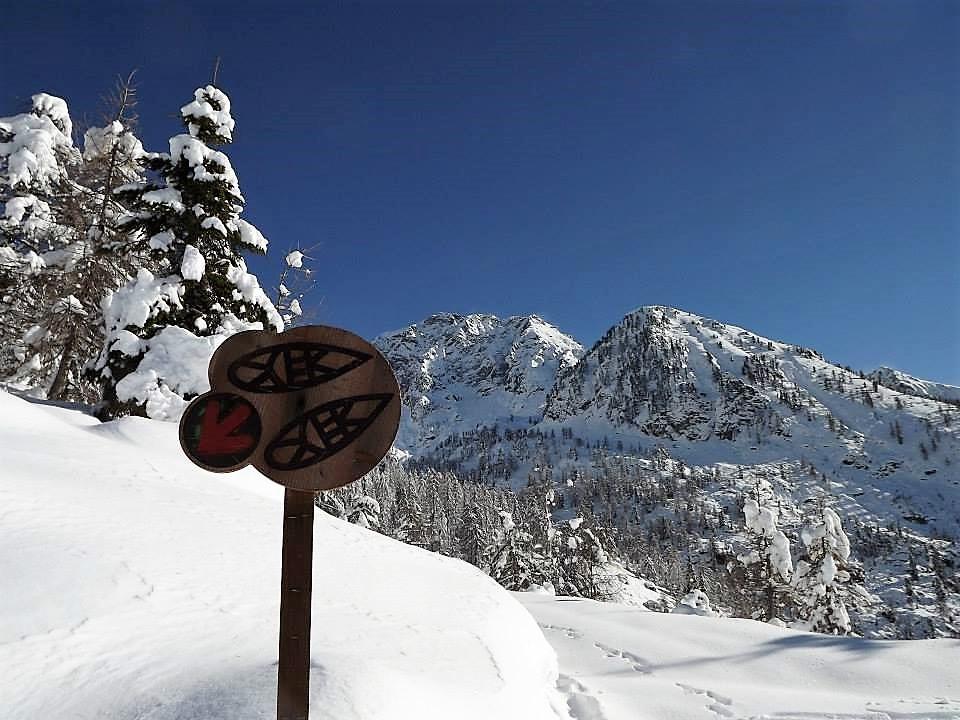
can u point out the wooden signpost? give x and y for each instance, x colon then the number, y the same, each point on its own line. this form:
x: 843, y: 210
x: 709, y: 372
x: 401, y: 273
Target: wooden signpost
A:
x: 313, y: 408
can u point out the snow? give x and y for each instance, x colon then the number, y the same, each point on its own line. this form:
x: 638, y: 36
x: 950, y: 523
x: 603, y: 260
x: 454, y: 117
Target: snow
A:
x: 68, y: 305
x: 207, y: 165
x: 251, y: 236
x: 174, y: 364
x: 162, y: 240
x: 763, y: 522
x: 294, y: 259
x: 193, y: 265
x: 619, y: 663
x: 101, y: 142
x: 212, y: 104
x: 56, y: 109
x: 213, y: 223
x: 138, y: 586
x: 165, y: 196
x: 695, y: 602
x: 34, y: 146
x: 248, y: 288
x: 132, y: 304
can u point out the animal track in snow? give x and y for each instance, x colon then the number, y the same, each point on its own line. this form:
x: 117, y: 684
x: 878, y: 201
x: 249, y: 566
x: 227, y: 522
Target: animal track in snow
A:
x: 571, y: 633
x: 720, y: 705
x: 582, y: 705
x: 636, y: 662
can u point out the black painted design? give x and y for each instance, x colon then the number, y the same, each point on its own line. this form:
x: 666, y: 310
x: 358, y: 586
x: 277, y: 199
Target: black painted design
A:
x: 324, y: 431
x: 289, y: 367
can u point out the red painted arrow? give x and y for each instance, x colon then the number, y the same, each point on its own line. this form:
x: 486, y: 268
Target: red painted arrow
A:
x: 216, y: 436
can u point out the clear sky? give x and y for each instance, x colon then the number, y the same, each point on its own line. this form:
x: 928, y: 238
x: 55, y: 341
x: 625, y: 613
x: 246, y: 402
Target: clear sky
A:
x: 790, y: 167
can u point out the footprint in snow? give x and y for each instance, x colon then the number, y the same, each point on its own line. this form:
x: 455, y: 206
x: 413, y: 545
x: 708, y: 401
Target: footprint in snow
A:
x: 571, y: 633
x: 720, y: 705
x: 581, y: 704
x: 638, y: 663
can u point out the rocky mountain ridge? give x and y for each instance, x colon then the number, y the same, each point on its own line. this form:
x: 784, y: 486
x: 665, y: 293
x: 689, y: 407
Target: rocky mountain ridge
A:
x: 671, y: 416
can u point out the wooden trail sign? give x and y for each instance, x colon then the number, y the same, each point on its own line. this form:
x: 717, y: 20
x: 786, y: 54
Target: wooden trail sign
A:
x: 313, y: 408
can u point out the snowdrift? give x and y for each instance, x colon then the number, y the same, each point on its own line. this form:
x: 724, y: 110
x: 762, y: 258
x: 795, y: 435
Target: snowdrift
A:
x: 135, y: 585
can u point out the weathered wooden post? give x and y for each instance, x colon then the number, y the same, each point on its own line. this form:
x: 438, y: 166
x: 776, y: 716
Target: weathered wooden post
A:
x: 314, y: 408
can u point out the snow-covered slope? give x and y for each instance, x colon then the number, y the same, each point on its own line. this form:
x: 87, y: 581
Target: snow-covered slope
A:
x: 459, y: 372
x: 136, y: 586
x: 625, y: 664
x: 910, y: 385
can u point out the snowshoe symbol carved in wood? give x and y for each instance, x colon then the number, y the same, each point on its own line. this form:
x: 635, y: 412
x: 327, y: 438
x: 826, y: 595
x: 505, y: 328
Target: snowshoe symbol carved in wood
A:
x: 292, y: 366
x: 324, y: 431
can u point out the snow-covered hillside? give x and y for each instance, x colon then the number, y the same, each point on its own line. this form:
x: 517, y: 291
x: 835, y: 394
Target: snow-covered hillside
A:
x: 138, y: 587
x: 621, y: 663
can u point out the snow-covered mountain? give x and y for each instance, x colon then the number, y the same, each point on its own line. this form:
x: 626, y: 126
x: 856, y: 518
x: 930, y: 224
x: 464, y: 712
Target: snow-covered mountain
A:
x: 668, y: 392
x: 460, y: 372
x: 705, y: 391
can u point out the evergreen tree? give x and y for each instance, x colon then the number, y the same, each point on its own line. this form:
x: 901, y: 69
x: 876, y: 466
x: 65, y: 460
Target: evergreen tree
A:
x: 473, y: 536
x: 411, y: 527
x: 188, y: 215
x: 768, y: 566
x: 363, y: 510
x: 823, y: 576
x: 578, y: 554
x: 514, y: 561
x: 36, y: 154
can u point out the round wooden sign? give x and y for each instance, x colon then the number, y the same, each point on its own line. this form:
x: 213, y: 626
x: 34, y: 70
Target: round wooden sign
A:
x: 313, y: 408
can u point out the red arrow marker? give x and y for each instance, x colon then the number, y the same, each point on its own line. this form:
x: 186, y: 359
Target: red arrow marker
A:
x: 216, y: 436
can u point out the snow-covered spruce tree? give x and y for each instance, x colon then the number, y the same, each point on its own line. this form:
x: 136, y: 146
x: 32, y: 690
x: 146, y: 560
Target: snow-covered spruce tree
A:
x: 36, y: 150
x: 768, y: 565
x: 363, y: 510
x: 514, y: 561
x: 162, y: 329
x: 411, y: 527
x: 822, y: 578
x: 578, y: 555
x: 473, y: 535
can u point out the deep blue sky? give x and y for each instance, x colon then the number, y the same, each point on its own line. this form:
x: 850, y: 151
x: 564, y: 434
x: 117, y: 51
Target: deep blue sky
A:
x: 791, y: 167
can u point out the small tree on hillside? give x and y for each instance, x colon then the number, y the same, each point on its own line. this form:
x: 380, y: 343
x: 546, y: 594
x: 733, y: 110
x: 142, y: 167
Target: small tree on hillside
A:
x: 768, y: 565
x: 514, y: 561
x: 822, y: 579
x: 578, y: 553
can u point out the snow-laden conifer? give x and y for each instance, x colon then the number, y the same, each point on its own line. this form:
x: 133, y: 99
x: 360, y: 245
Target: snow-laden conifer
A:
x: 822, y: 578
x: 514, y: 560
x: 579, y: 555
x: 36, y: 150
x: 59, y: 223
x: 188, y: 214
x: 768, y: 563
